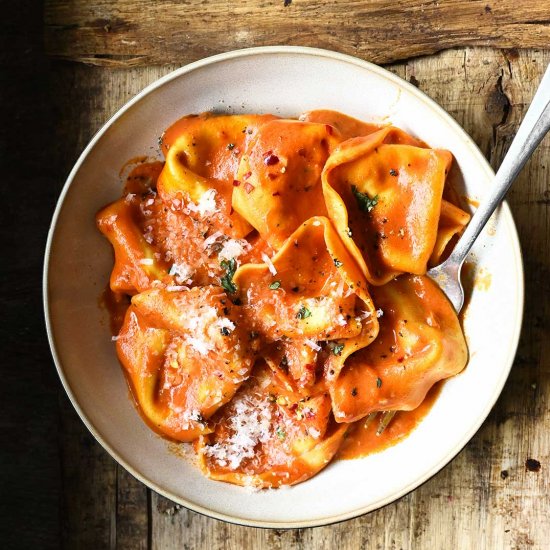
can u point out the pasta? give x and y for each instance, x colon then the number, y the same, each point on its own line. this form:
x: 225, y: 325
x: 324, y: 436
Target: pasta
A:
x: 271, y: 276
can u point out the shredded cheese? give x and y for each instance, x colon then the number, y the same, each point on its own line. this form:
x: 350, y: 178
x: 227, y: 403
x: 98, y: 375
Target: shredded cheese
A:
x: 251, y: 424
x: 233, y: 248
x: 312, y: 344
x: 269, y: 263
x: 206, y: 204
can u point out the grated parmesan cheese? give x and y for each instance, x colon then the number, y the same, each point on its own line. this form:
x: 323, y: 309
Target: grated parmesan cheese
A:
x: 202, y: 346
x: 176, y: 288
x: 341, y: 320
x: 206, y: 204
x: 314, y: 433
x: 269, y: 263
x: 181, y: 272
x: 209, y: 241
x: 223, y: 322
x: 233, y: 248
x: 250, y: 424
x: 312, y: 344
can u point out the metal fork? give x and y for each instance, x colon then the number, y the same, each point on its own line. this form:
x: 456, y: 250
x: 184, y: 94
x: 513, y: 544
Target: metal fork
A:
x: 533, y: 128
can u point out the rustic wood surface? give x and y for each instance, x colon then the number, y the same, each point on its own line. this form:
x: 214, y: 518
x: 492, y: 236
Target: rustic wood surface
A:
x: 126, y: 33
x: 59, y: 487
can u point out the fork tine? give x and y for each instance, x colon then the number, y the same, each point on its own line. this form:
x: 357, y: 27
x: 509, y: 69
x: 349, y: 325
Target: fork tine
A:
x: 385, y: 418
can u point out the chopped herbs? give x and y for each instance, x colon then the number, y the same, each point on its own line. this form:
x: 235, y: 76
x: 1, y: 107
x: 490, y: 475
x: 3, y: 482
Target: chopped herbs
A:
x: 303, y: 313
x: 275, y: 285
x: 365, y: 203
x: 230, y: 267
x: 337, y: 348
x: 281, y: 434
x: 378, y: 382
x: 225, y: 331
x: 338, y: 263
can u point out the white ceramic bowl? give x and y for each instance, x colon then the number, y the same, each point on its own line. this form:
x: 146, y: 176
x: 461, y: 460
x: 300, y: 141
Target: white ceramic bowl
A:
x: 284, y: 81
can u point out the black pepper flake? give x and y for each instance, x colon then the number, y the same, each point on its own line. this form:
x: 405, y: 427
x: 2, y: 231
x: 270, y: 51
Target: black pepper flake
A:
x: 225, y: 331
x: 230, y: 146
x: 338, y: 263
x: 354, y: 392
x: 393, y: 172
x: 378, y: 382
x: 504, y: 474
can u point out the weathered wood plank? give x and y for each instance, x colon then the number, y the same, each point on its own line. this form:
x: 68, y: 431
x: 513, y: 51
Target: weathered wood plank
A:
x: 88, y: 508
x: 132, y: 512
x: 487, y: 497
x: 140, y: 32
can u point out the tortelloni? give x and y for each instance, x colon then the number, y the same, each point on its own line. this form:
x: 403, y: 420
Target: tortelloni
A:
x: 273, y: 271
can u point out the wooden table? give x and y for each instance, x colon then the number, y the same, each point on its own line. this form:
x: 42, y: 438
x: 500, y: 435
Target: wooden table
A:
x: 481, y: 61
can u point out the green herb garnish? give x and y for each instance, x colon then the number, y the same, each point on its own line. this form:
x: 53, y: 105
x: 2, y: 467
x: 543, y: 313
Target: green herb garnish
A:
x: 337, y: 348
x: 230, y: 267
x: 303, y: 313
x: 275, y: 285
x: 365, y: 203
x: 378, y: 382
x: 281, y: 434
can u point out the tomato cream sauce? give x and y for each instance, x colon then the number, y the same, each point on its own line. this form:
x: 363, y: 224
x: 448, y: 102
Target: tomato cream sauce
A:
x: 362, y: 440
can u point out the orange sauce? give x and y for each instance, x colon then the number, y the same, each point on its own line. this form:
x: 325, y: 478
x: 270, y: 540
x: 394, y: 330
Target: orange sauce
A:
x: 362, y: 441
x: 116, y: 303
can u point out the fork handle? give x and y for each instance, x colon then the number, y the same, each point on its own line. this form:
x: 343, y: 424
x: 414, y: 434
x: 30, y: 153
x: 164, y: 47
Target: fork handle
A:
x: 533, y: 128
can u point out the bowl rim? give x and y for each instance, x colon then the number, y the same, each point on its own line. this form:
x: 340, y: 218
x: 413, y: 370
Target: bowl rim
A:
x: 456, y: 128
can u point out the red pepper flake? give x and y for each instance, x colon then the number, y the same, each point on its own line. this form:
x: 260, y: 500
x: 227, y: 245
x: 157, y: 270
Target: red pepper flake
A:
x: 330, y: 129
x: 231, y: 211
x: 271, y: 176
x: 401, y: 359
x: 270, y: 159
x: 276, y: 194
x: 248, y: 187
x: 236, y: 183
x: 247, y: 175
x: 302, y: 152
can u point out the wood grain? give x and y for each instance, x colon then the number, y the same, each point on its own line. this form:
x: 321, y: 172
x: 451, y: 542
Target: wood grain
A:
x: 139, y: 32
x: 487, y: 497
